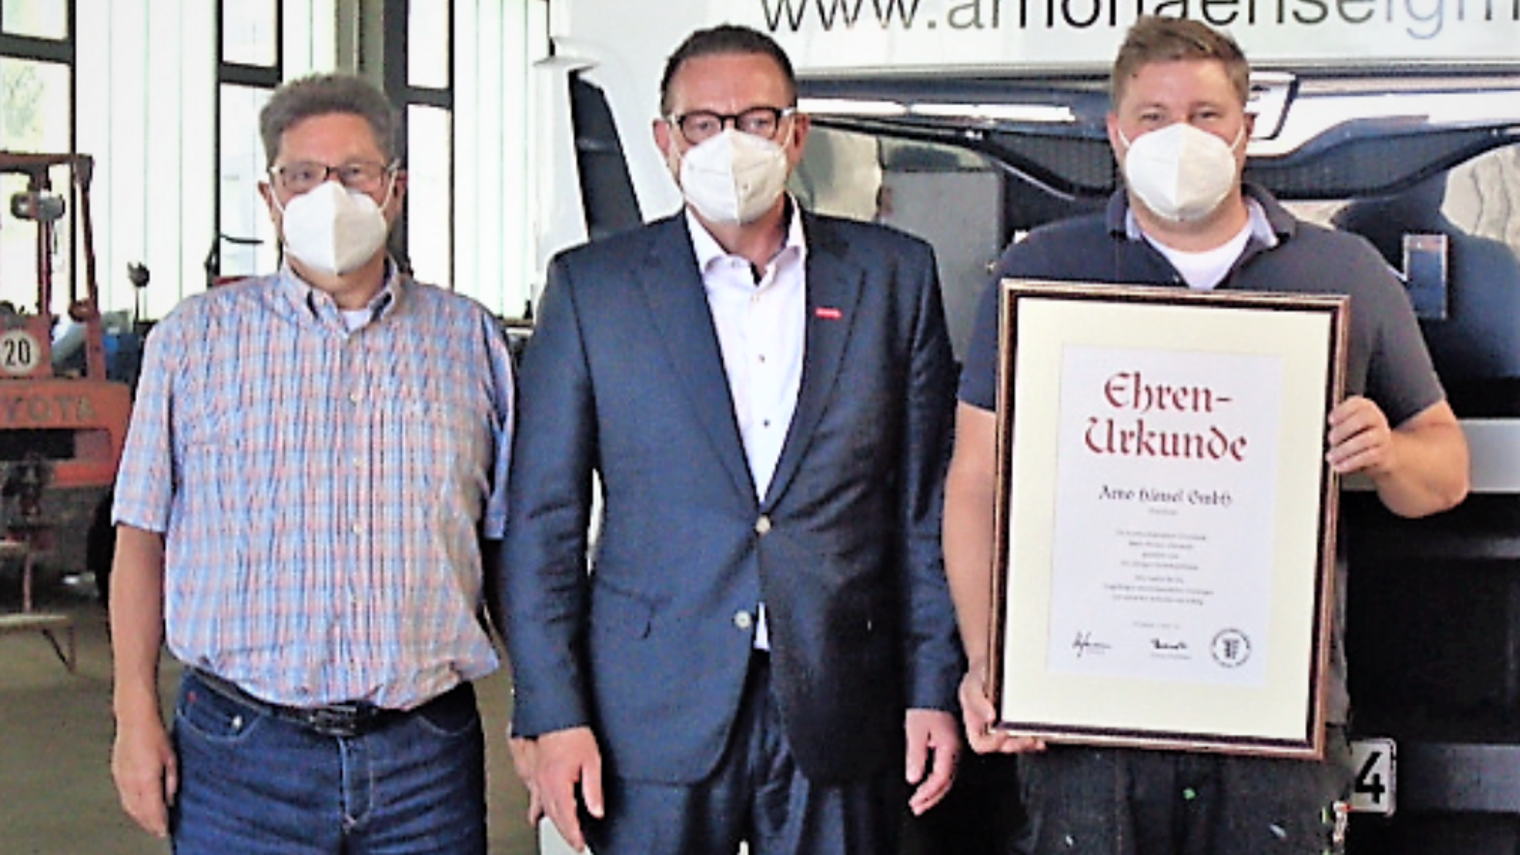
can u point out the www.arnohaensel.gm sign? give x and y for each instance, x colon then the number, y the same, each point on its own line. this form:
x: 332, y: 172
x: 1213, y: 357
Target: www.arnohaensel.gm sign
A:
x: 907, y: 34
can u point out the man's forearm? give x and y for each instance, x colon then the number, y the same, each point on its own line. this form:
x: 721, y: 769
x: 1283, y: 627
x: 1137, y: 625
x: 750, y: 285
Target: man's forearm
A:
x: 137, y: 622
x: 968, y: 565
x: 969, y: 537
x: 1433, y: 471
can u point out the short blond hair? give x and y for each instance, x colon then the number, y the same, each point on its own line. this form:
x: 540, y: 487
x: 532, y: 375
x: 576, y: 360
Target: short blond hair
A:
x: 1155, y: 38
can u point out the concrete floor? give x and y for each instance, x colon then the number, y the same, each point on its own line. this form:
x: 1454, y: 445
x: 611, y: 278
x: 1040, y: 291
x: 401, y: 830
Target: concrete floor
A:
x: 56, y: 796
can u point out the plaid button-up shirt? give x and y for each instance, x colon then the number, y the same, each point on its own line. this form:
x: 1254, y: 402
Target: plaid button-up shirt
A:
x: 323, y: 492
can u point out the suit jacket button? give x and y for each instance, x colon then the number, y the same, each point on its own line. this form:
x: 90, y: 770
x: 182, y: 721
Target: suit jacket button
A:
x: 763, y: 525
x: 743, y: 620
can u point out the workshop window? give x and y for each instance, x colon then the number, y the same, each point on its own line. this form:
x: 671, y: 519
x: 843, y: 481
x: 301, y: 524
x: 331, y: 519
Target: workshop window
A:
x: 36, y: 115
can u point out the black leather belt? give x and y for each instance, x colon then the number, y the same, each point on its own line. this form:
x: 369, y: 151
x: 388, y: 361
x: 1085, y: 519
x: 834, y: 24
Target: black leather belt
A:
x: 347, y: 719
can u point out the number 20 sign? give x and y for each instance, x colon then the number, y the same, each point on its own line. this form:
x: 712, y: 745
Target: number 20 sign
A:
x: 19, y: 353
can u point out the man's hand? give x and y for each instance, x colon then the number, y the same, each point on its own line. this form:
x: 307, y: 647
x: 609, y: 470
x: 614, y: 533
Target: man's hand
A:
x: 980, y: 716
x: 524, y: 760
x: 563, y: 760
x: 146, y: 774
x: 1418, y: 467
x: 933, y: 747
x: 1360, y: 438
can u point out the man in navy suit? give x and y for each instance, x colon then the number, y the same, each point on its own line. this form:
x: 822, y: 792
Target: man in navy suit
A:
x: 764, y: 648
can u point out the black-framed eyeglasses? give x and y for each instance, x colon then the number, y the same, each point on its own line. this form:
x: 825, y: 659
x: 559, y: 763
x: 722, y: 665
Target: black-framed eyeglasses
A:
x: 700, y: 125
x: 366, y: 176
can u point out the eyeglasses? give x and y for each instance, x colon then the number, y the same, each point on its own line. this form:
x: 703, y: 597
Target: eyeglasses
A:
x: 366, y: 176
x: 700, y: 125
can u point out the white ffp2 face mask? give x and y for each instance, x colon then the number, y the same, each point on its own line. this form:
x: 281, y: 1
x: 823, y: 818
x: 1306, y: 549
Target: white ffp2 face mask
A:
x: 332, y: 229
x: 734, y: 177
x: 1180, y: 172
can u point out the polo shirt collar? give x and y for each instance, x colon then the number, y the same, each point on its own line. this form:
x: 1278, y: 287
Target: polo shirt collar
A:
x: 1271, y: 223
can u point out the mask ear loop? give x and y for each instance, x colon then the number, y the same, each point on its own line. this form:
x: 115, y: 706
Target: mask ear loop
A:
x: 390, y: 188
x: 284, y: 244
x: 1240, y: 136
x: 791, y: 129
x: 674, y: 149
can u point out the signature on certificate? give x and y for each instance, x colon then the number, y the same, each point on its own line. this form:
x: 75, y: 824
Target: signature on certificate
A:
x: 1084, y: 644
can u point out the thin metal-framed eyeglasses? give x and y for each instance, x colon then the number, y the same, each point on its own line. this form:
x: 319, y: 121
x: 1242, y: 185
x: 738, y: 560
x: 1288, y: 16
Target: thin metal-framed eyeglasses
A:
x: 700, y: 125
x: 366, y: 176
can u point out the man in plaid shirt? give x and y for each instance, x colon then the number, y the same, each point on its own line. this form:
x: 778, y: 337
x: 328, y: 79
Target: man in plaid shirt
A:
x: 315, y: 467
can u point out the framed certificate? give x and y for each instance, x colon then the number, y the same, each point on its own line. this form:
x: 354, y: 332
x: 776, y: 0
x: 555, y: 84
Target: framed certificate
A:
x: 1165, y: 516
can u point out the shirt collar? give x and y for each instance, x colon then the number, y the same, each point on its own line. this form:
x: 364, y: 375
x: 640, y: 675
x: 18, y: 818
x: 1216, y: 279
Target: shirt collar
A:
x: 318, y: 304
x: 708, y: 250
x: 1270, y: 222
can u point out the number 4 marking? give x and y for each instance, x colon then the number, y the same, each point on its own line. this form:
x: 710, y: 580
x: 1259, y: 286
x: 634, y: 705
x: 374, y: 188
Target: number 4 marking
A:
x: 1369, y: 780
x: 1372, y: 791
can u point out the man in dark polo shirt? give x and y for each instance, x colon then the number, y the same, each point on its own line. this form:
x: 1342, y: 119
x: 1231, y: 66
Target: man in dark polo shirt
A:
x: 1178, y: 128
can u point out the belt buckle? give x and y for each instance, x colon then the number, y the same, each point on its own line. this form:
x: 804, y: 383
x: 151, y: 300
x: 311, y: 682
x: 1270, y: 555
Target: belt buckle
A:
x: 341, y: 720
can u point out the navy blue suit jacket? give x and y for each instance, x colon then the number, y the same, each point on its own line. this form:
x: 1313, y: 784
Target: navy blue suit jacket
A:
x: 624, y: 378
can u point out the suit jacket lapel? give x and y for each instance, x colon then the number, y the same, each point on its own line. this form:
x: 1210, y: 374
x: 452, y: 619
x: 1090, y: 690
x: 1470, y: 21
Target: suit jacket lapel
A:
x: 833, y: 292
x: 680, y: 316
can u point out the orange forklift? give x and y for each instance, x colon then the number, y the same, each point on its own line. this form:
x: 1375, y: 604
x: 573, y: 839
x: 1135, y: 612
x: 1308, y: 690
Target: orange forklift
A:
x: 62, y: 422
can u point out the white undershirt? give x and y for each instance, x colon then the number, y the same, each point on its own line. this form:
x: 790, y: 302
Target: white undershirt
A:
x: 1203, y: 271
x: 761, y: 330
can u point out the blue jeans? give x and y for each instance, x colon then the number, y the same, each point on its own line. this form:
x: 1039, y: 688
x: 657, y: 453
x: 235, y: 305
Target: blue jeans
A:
x: 251, y: 783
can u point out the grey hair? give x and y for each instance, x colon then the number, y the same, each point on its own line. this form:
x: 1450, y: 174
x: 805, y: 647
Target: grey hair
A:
x: 326, y: 94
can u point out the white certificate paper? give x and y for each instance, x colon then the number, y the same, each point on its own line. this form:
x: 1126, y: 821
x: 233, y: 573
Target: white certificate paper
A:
x: 1164, y: 477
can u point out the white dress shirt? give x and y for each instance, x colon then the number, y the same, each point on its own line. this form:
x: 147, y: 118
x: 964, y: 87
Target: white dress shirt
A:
x: 760, y: 317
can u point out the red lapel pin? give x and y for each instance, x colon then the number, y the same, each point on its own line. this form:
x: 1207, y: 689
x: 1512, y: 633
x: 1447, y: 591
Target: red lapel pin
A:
x: 828, y: 313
